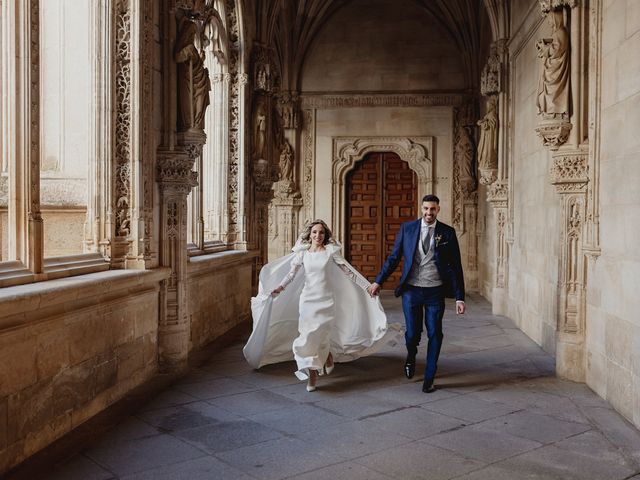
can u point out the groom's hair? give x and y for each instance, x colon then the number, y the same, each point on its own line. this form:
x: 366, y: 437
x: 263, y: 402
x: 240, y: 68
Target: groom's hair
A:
x: 431, y: 198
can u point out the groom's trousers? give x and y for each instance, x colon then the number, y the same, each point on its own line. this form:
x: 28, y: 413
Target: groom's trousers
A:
x: 426, y: 303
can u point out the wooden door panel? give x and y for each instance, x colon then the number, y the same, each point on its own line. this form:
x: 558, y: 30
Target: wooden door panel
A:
x: 381, y: 194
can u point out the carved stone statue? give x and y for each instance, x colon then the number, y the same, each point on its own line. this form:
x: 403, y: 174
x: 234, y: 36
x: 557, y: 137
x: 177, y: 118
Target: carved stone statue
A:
x: 193, y: 77
x: 553, y: 87
x: 488, y: 144
x: 260, y: 130
x: 464, y: 155
x: 286, y: 162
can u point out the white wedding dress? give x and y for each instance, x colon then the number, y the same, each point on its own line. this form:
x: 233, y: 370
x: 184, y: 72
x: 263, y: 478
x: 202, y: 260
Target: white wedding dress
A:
x: 323, y: 308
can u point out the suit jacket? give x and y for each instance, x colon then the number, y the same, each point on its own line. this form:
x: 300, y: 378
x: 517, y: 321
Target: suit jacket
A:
x: 446, y: 256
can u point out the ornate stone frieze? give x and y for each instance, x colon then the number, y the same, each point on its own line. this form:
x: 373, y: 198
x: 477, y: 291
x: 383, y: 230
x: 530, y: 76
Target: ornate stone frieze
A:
x: 307, y: 166
x: 237, y: 81
x: 123, y: 119
x: 570, y: 172
x: 498, y: 194
x: 553, y: 133
x: 380, y: 100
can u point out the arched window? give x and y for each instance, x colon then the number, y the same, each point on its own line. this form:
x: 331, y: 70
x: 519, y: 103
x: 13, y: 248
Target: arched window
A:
x: 48, y: 130
x: 208, y: 222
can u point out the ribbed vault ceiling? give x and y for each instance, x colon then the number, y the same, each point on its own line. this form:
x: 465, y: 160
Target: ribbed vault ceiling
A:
x: 290, y: 27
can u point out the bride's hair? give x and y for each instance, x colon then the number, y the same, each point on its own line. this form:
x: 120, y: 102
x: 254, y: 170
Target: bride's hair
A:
x: 305, y: 236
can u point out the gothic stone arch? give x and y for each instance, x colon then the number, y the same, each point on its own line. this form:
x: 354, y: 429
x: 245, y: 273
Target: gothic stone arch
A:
x: 416, y: 151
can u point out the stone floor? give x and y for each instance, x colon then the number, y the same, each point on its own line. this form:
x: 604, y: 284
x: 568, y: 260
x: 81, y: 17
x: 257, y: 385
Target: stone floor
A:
x: 499, y: 413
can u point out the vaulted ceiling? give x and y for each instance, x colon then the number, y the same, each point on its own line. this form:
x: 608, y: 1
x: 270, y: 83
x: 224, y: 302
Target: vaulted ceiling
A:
x: 290, y: 27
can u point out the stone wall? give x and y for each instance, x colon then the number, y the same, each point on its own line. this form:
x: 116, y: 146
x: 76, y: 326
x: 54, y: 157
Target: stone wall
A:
x: 68, y: 349
x: 219, y: 290
x: 613, y: 325
x: 535, y: 207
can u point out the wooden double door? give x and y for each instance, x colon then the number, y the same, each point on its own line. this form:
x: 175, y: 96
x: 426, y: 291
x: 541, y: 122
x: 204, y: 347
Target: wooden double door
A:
x: 381, y: 194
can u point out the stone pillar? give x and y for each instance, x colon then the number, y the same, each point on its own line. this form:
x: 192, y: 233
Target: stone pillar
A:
x: 569, y: 174
x: 498, y: 197
x: 176, y: 179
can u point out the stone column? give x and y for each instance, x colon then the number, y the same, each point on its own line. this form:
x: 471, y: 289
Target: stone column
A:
x: 569, y: 174
x: 176, y: 179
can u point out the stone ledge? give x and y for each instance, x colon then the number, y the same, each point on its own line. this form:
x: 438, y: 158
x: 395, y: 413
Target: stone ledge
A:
x: 19, y: 301
x: 202, y: 264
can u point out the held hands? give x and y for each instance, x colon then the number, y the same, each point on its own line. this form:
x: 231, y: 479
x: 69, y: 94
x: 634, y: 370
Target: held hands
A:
x: 276, y: 291
x: 373, y: 289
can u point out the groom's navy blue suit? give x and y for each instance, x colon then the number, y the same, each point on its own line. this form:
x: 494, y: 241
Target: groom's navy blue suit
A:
x: 425, y: 302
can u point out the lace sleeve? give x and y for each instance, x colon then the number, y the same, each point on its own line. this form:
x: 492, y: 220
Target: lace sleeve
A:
x: 296, y: 263
x: 350, y: 272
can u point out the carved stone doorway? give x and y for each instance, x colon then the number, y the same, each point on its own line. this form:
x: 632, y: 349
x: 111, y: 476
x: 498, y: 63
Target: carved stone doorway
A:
x: 381, y: 193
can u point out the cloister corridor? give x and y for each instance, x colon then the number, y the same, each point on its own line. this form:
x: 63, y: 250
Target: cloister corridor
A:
x: 500, y: 413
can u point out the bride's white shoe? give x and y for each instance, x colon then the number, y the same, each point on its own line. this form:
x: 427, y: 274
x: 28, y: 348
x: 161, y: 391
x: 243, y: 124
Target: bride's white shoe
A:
x: 311, y: 382
x: 328, y: 365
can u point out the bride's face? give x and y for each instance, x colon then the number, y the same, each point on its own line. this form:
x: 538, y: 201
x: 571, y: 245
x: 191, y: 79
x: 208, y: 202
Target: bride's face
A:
x: 317, y: 235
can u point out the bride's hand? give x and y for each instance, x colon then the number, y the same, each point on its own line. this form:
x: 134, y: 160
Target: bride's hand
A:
x: 277, y: 291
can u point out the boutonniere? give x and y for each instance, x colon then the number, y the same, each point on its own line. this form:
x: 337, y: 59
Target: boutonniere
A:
x: 438, y: 238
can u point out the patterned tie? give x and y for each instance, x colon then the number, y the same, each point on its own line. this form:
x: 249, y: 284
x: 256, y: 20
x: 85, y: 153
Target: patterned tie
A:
x: 427, y: 241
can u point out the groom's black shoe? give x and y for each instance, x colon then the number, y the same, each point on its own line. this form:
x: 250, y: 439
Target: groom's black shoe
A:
x: 410, y: 367
x: 428, y: 386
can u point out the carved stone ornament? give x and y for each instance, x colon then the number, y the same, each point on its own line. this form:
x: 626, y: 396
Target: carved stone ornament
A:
x: 288, y: 109
x: 570, y: 172
x: 262, y: 72
x: 176, y: 170
x: 491, y: 77
x: 547, y: 5
x: 498, y: 194
x: 488, y: 144
x: 553, y: 133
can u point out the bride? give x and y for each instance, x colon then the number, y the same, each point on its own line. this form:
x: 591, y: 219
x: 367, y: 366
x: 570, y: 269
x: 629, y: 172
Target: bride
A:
x: 324, y: 313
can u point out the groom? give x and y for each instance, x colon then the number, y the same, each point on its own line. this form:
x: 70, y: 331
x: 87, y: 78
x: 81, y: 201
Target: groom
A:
x: 431, y: 270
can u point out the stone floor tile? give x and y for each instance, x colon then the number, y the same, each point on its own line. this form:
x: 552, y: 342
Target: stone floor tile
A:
x: 299, y: 419
x: 358, y: 406
x: 203, y: 468
x: 346, y: 470
x: 419, y: 461
x: 224, y: 436
x: 186, y: 416
x: 252, y: 403
x: 531, y: 426
x: 415, y: 423
x: 278, y: 459
x: 469, y: 408
x: 214, y: 388
x: 494, y: 472
x: 410, y: 393
x: 168, y: 398
x: 482, y: 444
x: 618, y: 430
x: 131, y: 428
x: 134, y: 456
x: 198, y: 375
x: 551, y: 460
x: 79, y: 467
x: 352, y: 439
x: 595, y: 444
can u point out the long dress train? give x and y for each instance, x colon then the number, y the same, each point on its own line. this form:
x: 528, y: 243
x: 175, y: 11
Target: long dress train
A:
x: 327, y: 309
